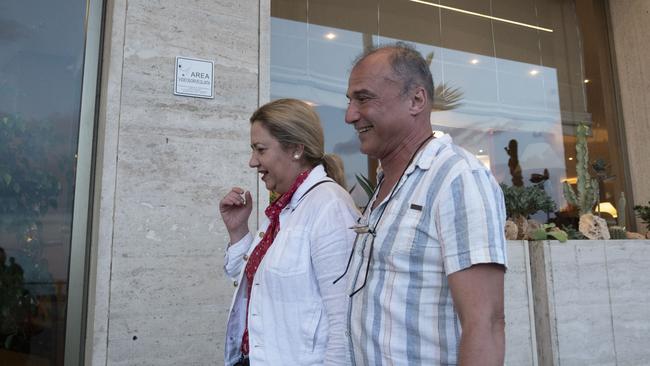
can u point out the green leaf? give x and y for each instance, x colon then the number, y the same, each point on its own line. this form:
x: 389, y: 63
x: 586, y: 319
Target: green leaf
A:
x: 539, y: 234
x: 366, y: 184
x: 561, y: 236
x: 7, y: 178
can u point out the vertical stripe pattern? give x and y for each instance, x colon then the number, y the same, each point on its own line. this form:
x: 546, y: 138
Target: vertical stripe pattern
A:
x: 447, y: 214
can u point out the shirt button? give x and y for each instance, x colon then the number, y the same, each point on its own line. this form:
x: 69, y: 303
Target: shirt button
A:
x: 245, y: 257
x: 235, y: 283
x: 261, y: 234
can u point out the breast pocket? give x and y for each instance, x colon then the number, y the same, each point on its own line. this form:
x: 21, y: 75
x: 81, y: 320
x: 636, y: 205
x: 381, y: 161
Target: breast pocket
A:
x: 290, y: 253
x: 410, y: 229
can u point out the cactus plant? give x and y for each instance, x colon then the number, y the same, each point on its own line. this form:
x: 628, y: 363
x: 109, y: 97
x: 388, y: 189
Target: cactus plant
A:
x: 621, y: 211
x: 644, y: 214
x: 587, y: 188
x: 617, y: 233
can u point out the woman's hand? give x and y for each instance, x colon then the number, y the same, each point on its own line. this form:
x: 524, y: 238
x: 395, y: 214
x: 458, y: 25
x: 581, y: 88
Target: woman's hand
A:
x: 235, y: 208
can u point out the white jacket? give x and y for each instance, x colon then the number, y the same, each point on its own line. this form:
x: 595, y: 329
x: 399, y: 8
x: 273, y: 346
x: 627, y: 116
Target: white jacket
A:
x: 296, y: 316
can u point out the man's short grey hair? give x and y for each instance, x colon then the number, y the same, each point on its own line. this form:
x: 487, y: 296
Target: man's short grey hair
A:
x: 407, y: 64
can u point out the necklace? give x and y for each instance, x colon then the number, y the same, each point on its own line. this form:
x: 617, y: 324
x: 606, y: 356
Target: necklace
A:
x: 365, y: 229
x: 361, y: 228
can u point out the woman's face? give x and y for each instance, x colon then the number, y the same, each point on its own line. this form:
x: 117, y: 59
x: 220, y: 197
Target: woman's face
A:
x: 276, y: 164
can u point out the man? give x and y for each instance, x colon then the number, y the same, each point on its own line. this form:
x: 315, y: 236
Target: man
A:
x: 428, y: 270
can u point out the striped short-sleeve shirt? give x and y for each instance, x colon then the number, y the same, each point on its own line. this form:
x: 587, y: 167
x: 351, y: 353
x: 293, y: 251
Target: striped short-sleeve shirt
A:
x: 447, y: 213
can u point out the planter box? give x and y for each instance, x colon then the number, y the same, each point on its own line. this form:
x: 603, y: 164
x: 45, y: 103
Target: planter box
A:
x: 521, y: 349
x: 592, y: 302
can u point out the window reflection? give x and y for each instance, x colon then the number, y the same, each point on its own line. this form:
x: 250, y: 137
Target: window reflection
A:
x: 517, y: 83
x: 41, y: 56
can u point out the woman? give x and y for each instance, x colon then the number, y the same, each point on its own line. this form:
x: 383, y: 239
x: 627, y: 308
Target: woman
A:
x: 296, y: 315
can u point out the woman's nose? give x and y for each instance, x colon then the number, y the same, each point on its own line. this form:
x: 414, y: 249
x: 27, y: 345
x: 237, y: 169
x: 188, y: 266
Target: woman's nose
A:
x: 253, y: 162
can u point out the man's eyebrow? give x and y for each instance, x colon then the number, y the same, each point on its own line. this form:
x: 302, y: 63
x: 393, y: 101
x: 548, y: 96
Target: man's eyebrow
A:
x: 357, y: 93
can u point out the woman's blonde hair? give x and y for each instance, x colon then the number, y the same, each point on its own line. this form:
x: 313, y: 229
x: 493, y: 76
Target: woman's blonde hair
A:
x: 293, y: 122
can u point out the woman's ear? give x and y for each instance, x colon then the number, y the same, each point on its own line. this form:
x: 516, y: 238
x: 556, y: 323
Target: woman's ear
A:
x: 298, y: 151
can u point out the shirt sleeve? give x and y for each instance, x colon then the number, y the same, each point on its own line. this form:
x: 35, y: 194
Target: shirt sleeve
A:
x: 331, y: 245
x: 234, y: 259
x: 470, y: 219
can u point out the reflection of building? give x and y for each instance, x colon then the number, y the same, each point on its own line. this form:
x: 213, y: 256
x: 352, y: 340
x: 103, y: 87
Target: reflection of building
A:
x: 156, y: 294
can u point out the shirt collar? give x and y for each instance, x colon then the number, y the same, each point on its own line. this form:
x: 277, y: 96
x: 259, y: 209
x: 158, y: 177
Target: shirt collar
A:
x: 316, y: 175
x: 426, y: 156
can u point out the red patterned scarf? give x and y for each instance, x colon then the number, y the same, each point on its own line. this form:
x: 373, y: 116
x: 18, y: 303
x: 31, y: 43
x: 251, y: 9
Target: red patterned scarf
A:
x: 273, y: 213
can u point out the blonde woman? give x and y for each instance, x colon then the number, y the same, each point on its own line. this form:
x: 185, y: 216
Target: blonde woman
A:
x: 286, y: 309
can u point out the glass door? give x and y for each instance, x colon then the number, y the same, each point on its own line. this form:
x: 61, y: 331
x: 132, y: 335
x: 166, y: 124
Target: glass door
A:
x: 46, y: 126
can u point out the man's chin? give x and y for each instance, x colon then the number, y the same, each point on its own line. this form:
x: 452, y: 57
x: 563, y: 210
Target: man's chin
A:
x: 368, y: 150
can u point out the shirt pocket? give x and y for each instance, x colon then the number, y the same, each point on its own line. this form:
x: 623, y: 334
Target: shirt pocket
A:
x: 408, y: 231
x: 290, y: 253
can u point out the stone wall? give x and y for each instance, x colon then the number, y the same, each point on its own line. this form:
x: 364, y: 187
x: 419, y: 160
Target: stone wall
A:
x: 521, y: 347
x: 158, y: 295
x: 591, y: 302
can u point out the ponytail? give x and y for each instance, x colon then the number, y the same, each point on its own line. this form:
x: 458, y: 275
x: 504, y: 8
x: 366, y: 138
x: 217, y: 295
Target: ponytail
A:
x: 334, y: 168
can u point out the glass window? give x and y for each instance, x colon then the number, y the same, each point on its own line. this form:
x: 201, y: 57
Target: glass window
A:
x: 41, y: 63
x: 512, y: 80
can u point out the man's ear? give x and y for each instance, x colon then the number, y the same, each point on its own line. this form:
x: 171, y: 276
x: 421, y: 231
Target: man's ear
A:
x: 419, y: 101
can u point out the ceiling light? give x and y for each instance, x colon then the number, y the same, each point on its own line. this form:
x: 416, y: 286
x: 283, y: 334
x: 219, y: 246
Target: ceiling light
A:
x: 474, y: 61
x: 570, y: 158
x: 330, y: 36
x: 534, y: 72
x: 587, y: 80
x: 483, y: 16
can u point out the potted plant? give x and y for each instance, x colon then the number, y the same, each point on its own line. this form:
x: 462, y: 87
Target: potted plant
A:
x: 521, y: 202
x: 643, y: 211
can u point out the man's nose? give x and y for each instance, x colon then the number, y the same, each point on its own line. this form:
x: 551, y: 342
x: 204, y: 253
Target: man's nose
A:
x: 352, y: 113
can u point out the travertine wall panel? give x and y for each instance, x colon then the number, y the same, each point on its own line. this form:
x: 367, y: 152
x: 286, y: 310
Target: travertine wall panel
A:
x: 160, y: 296
x: 520, y: 326
x: 598, y: 294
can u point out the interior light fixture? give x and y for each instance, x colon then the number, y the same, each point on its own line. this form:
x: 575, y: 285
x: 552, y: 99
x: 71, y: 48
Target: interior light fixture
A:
x: 330, y: 36
x: 483, y: 16
x: 587, y: 80
x: 608, y: 208
x: 534, y: 72
x: 474, y: 61
x: 570, y: 158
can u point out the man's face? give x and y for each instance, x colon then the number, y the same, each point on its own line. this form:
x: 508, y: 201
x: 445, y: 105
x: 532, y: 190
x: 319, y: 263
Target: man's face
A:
x: 377, y: 108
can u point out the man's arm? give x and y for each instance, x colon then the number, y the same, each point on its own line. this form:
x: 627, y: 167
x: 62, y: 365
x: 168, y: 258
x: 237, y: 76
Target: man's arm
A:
x: 478, y: 298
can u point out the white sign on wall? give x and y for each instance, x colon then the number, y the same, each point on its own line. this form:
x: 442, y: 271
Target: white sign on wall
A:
x: 194, y: 78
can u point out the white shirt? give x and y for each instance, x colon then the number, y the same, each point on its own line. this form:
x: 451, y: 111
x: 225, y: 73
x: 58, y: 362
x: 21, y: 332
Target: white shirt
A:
x: 297, y: 316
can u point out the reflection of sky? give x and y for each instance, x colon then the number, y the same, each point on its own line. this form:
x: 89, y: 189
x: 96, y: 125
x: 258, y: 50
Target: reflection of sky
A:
x: 41, y: 59
x: 502, y: 99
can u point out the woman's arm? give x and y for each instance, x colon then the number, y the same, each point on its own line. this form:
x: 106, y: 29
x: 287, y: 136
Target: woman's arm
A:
x: 330, y: 248
x: 234, y: 260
